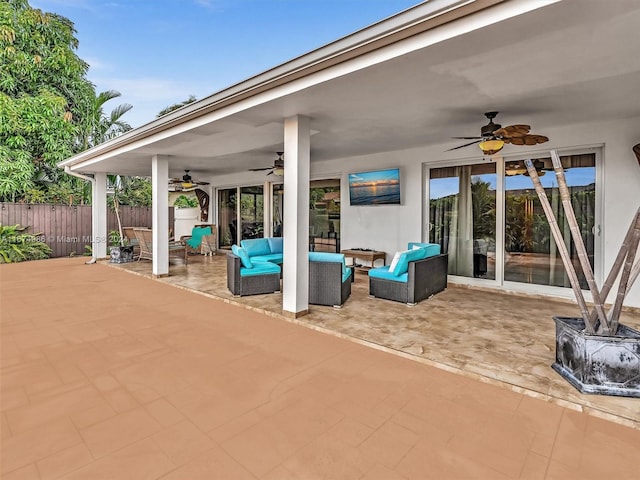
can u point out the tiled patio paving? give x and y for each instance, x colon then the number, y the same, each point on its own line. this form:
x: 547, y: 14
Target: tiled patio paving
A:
x: 109, y: 375
x: 481, y: 334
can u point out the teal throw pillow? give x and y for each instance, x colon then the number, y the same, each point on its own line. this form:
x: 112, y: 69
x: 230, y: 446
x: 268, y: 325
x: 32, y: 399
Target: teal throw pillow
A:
x: 244, y: 257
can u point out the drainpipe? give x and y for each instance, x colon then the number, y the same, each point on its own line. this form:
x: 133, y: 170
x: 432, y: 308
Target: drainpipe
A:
x: 68, y: 171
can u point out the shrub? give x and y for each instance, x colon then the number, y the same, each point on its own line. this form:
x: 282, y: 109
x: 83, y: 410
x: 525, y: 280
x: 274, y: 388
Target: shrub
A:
x: 185, y: 202
x: 17, y: 246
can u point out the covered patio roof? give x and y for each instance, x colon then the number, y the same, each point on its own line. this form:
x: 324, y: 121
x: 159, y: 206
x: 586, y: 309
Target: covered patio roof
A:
x: 417, y: 78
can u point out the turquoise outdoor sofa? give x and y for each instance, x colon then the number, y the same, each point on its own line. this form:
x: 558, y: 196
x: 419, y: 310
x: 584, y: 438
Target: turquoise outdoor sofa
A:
x: 418, y: 273
x: 329, y: 279
x: 255, y: 267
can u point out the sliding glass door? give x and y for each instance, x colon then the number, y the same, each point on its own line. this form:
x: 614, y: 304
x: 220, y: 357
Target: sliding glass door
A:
x: 494, y: 227
x: 531, y: 254
x: 252, y: 212
x: 462, y: 215
x: 324, y: 214
x: 227, y: 217
x: 248, y: 213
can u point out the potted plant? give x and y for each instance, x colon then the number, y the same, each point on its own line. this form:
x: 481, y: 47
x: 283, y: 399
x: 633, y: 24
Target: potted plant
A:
x: 594, y: 352
x: 120, y: 252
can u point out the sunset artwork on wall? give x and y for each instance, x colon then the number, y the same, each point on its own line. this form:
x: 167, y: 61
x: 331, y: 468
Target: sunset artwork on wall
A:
x: 379, y: 187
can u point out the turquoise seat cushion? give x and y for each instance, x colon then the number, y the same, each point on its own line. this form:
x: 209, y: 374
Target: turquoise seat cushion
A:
x: 275, y: 244
x: 384, y: 274
x: 433, y: 249
x: 265, y: 268
x: 272, y: 257
x: 332, y: 258
x: 406, y: 257
x: 196, y: 236
x: 256, y: 246
x: 242, y: 253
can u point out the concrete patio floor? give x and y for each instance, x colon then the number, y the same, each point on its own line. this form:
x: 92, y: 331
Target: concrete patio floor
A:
x: 110, y: 375
x: 504, y: 339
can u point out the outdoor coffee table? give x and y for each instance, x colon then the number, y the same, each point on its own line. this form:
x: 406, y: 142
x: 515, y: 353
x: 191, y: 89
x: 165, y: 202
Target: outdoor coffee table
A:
x: 368, y: 255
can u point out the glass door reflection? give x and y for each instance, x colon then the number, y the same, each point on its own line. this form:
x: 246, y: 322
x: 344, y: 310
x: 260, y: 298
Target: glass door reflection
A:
x: 462, y: 212
x: 531, y: 254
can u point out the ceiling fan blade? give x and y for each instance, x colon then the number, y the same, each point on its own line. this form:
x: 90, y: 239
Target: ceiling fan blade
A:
x: 465, y: 145
x: 531, y: 139
x: 260, y: 169
x: 201, y: 183
x: 467, y: 138
x: 512, y: 131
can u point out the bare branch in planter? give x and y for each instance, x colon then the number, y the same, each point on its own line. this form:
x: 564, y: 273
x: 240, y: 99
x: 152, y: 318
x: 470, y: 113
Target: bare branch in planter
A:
x: 562, y: 248
x: 578, y: 242
x: 617, y: 264
x: 614, y: 313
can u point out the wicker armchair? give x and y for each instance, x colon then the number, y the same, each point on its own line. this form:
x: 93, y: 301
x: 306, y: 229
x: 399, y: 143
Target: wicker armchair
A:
x: 425, y: 278
x: 326, y: 286
x: 144, y: 236
x: 241, y: 285
x: 329, y: 279
x: 131, y: 239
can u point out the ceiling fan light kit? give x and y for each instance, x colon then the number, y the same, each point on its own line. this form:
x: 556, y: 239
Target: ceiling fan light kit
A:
x: 491, y: 147
x: 276, y: 169
x: 493, y: 136
x: 186, y: 182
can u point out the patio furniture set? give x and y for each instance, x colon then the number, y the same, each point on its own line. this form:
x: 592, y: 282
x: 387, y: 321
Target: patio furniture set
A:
x: 201, y: 240
x: 415, y: 274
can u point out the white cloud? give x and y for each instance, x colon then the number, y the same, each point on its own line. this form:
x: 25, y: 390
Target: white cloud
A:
x: 148, y: 95
x: 96, y: 64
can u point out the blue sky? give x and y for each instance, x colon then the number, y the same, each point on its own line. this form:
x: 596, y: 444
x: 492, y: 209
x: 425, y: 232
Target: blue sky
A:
x: 443, y: 187
x: 374, y: 176
x: 158, y: 52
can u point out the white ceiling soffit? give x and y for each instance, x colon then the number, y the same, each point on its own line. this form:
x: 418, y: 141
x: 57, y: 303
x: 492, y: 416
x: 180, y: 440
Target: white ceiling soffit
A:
x: 565, y: 63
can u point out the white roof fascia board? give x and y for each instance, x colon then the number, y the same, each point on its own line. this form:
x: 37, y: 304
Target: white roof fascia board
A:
x: 502, y: 9
x: 422, y: 12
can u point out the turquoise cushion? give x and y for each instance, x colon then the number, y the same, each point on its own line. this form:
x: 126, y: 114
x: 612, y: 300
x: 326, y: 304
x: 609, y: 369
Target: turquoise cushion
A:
x: 266, y: 268
x: 332, y: 258
x: 242, y: 253
x: 275, y: 244
x: 273, y: 257
x: 433, y: 249
x: 409, y: 256
x: 385, y: 274
x: 346, y: 275
x: 196, y: 236
x: 256, y: 246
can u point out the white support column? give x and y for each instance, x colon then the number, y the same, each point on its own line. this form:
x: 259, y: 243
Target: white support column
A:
x: 295, y: 274
x: 99, y: 216
x: 160, y: 214
x: 267, y: 191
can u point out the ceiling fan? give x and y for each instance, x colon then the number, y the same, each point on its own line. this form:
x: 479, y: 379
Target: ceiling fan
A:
x: 276, y: 169
x: 186, y: 183
x: 493, y: 136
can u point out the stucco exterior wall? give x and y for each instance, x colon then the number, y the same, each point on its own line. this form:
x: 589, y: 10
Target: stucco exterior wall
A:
x: 390, y: 227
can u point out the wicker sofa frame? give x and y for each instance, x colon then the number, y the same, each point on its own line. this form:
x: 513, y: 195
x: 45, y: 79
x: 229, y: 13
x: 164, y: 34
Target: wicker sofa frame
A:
x: 251, y: 285
x: 326, y: 286
x: 426, y: 278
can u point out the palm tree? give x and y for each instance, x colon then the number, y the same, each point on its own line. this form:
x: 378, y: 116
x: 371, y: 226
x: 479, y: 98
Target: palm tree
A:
x: 99, y: 127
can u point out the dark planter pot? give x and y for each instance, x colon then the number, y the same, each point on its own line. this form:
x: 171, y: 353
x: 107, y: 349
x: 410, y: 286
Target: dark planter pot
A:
x: 121, y: 254
x: 595, y: 363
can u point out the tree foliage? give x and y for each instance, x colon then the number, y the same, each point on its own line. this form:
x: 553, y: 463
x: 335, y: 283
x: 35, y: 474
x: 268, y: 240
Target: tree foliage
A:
x: 49, y: 110
x: 17, y: 246
x: 176, y: 106
x: 43, y: 95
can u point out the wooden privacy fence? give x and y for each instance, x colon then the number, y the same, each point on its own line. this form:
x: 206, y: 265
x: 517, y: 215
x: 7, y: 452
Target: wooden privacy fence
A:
x: 67, y: 228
